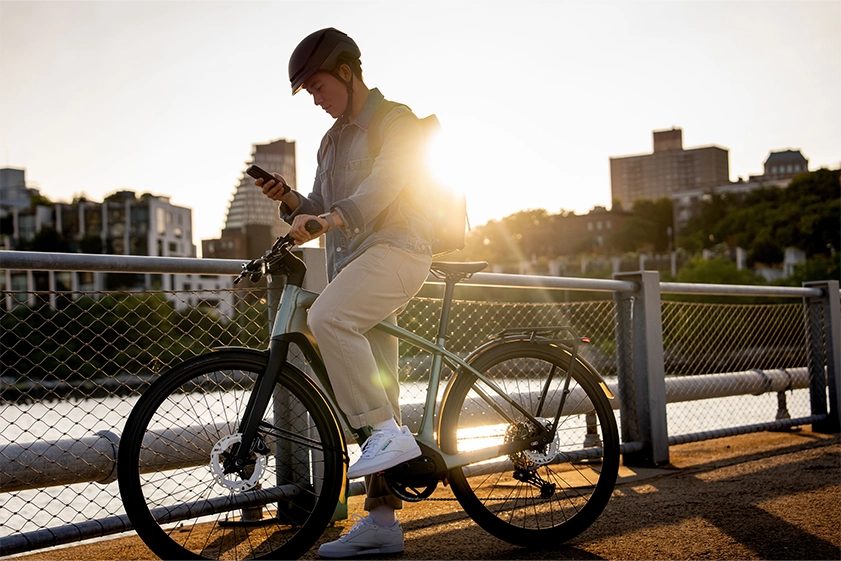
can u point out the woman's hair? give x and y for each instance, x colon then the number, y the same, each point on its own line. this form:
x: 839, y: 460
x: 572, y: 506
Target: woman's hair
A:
x: 354, y: 63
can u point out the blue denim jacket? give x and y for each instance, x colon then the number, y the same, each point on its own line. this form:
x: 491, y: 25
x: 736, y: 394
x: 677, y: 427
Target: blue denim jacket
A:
x: 361, y: 188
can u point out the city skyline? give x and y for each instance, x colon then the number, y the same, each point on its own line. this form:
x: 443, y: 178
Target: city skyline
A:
x: 168, y: 97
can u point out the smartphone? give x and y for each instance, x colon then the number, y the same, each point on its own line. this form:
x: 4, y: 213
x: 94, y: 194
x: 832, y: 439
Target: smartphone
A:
x: 259, y: 173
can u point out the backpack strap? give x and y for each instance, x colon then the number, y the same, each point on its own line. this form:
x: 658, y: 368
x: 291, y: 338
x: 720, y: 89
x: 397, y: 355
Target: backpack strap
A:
x: 375, y: 142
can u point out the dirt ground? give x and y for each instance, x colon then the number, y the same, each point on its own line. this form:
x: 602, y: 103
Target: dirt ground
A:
x: 771, y: 495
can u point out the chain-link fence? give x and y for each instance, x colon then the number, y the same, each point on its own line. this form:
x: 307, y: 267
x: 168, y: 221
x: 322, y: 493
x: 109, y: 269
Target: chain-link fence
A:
x: 73, y: 370
x: 73, y: 364
x: 708, y: 342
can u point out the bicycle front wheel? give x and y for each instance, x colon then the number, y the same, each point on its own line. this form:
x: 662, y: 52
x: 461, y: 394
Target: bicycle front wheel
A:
x: 534, y: 497
x: 171, y: 477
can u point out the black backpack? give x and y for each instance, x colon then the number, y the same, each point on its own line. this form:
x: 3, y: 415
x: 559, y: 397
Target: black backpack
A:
x: 446, y: 210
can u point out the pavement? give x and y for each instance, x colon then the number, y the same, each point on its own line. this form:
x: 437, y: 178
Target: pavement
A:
x: 769, y: 495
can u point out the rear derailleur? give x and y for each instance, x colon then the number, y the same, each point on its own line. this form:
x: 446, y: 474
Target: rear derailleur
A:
x: 531, y: 477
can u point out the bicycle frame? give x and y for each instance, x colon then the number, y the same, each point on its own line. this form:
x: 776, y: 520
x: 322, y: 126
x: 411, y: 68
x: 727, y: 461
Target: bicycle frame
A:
x: 553, y: 477
x: 290, y: 327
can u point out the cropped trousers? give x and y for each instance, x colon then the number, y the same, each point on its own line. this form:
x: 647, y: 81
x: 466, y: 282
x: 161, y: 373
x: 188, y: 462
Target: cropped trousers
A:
x: 362, y: 361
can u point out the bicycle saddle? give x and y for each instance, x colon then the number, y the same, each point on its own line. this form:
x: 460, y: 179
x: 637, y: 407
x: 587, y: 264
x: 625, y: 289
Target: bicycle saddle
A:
x: 456, y: 269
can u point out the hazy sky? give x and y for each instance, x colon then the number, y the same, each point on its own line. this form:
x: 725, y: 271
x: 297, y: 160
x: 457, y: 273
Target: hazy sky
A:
x: 168, y: 97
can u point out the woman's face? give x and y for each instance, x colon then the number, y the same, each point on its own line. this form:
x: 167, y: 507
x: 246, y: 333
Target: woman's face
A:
x: 328, y: 93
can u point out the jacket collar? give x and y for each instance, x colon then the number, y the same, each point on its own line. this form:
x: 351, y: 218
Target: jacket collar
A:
x: 375, y: 98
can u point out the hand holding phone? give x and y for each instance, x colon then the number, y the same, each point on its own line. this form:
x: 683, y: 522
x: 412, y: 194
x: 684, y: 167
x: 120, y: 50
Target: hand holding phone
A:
x: 259, y: 173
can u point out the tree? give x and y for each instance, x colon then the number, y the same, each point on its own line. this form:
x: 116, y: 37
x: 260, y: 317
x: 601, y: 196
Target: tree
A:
x: 39, y: 200
x: 648, y: 229
x: 513, y: 239
x: 806, y: 215
x: 47, y: 240
x: 820, y: 267
x: 718, y: 270
x: 701, y: 231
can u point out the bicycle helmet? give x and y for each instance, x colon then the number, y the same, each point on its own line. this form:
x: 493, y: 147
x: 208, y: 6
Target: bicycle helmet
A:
x: 319, y: 51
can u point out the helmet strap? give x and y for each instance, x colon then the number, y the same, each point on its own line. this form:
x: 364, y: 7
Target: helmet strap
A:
x: 349, y: 86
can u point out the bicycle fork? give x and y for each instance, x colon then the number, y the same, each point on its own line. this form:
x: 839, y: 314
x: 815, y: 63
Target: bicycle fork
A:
x: 258, y: 401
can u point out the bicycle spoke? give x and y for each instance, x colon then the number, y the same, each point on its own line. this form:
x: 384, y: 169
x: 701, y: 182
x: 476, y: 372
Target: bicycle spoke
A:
x: 542, y: 494
x: 180, y: 498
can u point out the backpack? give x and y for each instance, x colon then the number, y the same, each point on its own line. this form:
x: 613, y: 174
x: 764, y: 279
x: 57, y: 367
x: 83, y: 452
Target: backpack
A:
x: 445, y: 209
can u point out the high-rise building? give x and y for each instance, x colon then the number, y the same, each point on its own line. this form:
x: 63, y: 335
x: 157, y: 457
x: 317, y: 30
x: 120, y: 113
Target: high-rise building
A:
x: 13, y: 189
x: 123, y: 224
x: 252, y: 222
x: 669, y: 169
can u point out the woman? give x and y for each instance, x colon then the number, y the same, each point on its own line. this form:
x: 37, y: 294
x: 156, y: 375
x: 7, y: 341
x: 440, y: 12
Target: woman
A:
x: 378, y: 257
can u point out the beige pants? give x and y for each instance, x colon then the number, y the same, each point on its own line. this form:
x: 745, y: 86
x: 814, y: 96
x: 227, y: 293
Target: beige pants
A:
x: 362, y: 361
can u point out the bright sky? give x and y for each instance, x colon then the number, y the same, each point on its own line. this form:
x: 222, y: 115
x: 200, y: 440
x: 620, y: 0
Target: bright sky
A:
x: 168, y: 97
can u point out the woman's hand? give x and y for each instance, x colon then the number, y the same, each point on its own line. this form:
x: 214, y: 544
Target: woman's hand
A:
x: 272, y: 189
x: 299, y: 231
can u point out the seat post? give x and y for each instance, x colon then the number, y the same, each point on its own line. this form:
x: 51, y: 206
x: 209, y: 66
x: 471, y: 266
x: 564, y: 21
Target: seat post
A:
x: 444, y: 320
x: 451, y: 273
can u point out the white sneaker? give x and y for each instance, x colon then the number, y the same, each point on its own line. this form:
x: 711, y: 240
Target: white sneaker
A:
x: 385, y: 449
x: 365, y: 538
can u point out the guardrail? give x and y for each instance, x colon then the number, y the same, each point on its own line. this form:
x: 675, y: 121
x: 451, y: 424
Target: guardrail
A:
x: 677, y: 368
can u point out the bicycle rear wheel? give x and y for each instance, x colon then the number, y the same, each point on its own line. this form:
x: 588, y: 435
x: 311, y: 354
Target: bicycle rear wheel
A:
x: 175, y: 491
x: 535, y: 497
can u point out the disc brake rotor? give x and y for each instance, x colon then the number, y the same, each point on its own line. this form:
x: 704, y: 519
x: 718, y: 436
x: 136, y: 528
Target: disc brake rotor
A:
x: 242, y: 480
x: 531, y: 459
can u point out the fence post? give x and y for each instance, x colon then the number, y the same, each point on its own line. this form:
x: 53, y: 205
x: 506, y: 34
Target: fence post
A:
x: 642, y: 386
x: 823, y: 326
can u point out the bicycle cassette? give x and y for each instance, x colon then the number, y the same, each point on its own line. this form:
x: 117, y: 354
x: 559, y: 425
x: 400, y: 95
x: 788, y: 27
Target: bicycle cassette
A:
x: 531, y: 459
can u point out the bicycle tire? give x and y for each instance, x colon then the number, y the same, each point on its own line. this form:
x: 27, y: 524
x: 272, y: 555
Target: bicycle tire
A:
x: 174, y: 494
x: 582, y: 472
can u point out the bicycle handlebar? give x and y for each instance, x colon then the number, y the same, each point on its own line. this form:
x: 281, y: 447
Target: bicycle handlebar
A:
x: 256, y: 268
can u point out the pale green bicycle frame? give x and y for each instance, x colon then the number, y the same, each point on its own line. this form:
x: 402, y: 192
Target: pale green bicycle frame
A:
x: 291, y: 319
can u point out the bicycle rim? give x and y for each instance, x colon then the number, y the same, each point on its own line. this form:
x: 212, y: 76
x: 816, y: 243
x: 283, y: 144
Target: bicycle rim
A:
x: 536, y: 497
x: 181, y: 502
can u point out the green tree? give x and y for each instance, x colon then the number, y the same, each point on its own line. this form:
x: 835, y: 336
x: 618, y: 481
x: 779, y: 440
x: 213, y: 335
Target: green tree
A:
x: 718, y: 270
x: 39, y: 200
x: 513, y: 239
x: 701, y: 232
x: 805, y: 215
x: 47, y: 240
x: 90, y: 244
x: 818, y: 268
x: 649, y: 227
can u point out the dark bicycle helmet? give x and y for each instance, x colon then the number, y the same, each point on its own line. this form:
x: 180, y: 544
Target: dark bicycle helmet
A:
x: 319, y: 51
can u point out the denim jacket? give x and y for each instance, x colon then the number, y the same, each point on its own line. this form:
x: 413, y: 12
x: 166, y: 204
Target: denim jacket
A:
x: 349, y: 181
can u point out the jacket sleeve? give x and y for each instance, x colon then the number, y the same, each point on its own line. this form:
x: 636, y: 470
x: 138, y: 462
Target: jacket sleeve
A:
x: 312, y: 203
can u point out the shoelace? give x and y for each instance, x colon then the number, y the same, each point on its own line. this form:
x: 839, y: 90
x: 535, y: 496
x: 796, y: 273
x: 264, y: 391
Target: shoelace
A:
x: 359, y: 522
x: 373, y: 443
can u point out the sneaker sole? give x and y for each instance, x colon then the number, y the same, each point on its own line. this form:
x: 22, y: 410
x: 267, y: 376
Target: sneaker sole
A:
x: 396, y: 548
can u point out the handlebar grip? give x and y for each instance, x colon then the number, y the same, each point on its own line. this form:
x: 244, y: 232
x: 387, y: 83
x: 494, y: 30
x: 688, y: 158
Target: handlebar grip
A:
x: 313, y: 226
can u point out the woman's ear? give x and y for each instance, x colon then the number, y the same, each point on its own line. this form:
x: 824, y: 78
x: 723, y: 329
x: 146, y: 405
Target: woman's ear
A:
x: 346, y: 73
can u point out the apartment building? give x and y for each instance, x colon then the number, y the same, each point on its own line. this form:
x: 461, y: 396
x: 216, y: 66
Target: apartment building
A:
x: 668, y: 169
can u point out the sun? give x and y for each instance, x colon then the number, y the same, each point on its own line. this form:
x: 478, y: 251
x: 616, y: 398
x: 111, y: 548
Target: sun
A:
x: 446, y: 161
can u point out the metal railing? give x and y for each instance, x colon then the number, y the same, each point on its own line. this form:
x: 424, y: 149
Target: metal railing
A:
x: 74, y: 362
